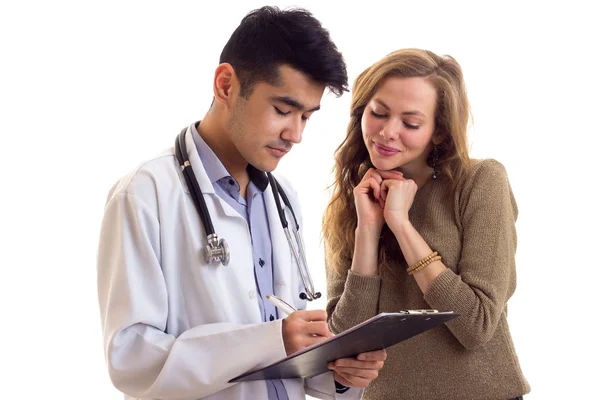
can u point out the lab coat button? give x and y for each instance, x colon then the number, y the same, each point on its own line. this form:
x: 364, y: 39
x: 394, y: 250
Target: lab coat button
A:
x: 252, y: 295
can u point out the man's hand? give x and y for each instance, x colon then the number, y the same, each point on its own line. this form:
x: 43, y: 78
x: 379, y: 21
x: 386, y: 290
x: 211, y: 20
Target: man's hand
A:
x: 360, y: 370
x: 304, y: 328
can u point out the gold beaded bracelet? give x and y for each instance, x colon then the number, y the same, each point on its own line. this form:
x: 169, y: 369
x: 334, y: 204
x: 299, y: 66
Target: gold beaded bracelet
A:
x: 414, y: 271
x: 424, y: 261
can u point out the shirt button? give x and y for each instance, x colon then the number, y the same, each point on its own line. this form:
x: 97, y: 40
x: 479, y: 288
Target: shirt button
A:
x: 271, y: 318
x: 252, y: 295
x: 261, y: 262
x: 231, y: 182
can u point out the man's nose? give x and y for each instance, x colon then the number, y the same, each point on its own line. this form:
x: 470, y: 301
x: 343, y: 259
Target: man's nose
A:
x: 293, y: 132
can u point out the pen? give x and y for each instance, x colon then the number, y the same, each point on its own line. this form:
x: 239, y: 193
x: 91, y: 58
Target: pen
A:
x: 281, y: 305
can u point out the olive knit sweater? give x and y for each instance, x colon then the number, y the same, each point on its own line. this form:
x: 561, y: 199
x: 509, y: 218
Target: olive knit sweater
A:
x: 472, y: 356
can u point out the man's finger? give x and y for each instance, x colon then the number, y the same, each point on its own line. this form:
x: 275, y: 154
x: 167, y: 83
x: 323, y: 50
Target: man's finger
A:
x: 342, y: 379
x: 351, y: 380
x: 377, y: 355
x: 311, y: 315
x: 318, y: 328
x: 353, y: 373
x: 354, y: 363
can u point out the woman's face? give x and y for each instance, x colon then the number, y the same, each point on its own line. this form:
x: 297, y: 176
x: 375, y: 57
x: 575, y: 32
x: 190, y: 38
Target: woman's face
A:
x: 398, y: 124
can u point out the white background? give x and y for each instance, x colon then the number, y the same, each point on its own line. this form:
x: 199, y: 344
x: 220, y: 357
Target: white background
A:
x: 90, y: 89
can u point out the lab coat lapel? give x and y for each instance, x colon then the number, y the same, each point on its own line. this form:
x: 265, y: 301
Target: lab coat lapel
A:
x: 207, y: 188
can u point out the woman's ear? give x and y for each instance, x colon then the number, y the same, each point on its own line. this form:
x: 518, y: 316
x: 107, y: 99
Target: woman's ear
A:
x: 438, y: 138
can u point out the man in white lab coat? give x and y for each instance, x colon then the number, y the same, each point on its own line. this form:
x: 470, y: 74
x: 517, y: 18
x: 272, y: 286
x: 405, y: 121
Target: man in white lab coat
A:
x: 176, y: 327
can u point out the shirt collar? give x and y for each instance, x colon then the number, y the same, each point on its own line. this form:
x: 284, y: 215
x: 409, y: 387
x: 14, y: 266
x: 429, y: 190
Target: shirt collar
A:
x: 215, y: 170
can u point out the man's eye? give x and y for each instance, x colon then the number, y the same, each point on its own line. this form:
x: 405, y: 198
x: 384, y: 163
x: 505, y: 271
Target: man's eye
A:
x: 280, y: 112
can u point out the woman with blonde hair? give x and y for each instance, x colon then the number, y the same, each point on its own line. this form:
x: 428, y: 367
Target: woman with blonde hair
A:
x: 414, y: 223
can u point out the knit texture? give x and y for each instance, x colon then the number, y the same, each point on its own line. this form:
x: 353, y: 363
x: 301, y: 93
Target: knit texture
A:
x: 472, y: 356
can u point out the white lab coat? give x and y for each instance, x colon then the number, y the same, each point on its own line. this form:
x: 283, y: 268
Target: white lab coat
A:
x: 175, y: 327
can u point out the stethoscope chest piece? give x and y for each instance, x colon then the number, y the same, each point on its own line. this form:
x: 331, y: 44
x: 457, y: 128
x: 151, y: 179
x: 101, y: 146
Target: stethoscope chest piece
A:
x: 216, y: 250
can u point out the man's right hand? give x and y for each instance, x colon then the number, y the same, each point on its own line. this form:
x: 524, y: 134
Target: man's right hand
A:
x: 304, y: 328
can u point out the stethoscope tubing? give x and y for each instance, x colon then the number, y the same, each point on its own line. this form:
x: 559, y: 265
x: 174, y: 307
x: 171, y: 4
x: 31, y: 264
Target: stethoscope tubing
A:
x: 220, y: 247
x: 194, y: 187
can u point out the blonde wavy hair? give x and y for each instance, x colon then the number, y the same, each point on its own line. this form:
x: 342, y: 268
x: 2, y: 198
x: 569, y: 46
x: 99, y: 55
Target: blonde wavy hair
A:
x: 352, y: 158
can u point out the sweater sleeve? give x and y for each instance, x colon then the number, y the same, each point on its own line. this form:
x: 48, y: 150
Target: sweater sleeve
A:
x: 351, y: 298
x: 486, y: 276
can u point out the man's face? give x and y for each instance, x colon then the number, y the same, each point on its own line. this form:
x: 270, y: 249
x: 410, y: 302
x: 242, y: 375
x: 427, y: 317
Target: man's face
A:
x: 265, y: 126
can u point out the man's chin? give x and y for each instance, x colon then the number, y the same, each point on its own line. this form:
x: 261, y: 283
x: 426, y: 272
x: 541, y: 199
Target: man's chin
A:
x: 265, y: 166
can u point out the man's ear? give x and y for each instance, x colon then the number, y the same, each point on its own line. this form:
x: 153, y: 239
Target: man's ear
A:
x: 225, y: 85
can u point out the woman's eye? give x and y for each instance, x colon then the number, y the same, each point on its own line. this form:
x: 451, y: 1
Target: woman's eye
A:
x: 411, y: 126
x: 373, y: 113
x: 280, y: 112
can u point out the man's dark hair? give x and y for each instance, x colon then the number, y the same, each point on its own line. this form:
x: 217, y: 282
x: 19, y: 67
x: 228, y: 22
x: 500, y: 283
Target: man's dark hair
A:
x: 269, y: 37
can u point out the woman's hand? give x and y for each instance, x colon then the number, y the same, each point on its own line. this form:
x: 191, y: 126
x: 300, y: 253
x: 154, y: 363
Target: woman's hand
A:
x: 398, y: 195
x: 369, y: 203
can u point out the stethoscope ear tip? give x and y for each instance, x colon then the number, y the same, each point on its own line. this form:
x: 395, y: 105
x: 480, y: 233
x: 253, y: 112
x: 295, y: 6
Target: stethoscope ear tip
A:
x: 315, y: 296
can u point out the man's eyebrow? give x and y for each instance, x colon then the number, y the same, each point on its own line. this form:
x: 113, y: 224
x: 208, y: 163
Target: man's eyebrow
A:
x: 294, y: 103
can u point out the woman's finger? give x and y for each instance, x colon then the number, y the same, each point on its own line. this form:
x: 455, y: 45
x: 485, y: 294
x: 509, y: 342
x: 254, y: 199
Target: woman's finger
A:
x: 391, y: 174
x: 373, y: 173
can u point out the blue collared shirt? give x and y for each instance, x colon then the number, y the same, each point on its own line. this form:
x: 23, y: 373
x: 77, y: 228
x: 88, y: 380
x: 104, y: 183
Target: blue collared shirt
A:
x: 255, y: 213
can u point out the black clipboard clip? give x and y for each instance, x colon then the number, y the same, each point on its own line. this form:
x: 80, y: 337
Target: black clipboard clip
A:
x: 421, y: 312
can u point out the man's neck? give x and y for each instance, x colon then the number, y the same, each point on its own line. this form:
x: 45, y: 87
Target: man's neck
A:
x: 218, y: 139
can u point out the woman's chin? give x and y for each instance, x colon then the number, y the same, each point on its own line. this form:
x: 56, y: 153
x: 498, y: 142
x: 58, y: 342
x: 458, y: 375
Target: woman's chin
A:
x: 384, y: 165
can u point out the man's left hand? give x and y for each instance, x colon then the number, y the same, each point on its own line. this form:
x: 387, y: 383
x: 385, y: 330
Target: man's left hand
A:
x: 358, y: 371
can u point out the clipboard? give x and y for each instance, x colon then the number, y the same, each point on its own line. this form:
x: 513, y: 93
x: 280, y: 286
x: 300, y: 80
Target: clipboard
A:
x: 376, y: 333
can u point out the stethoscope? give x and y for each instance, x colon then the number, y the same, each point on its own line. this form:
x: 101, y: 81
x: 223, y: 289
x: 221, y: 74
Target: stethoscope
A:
x: 217, y: 250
